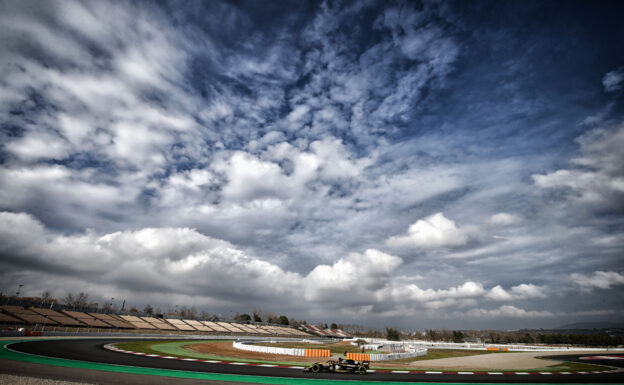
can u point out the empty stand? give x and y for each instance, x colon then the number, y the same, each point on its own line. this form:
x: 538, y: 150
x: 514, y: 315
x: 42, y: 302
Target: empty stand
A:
x: 26, y: 315
x: 86, y: 319
x: 57, y: 317
x: 198, y: 325
x: 214, y: 326
x: 114, y: 321
x: 179, y: 324
x: 4, y: 318
x: 229, y: 327
x: 159, y: 323
x: 137, y: 322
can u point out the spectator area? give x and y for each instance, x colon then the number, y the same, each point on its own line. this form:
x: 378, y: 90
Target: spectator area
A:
x: 180, y: 325
x: 26, y: 316
x: 114, y: 321
x: 57, y: 317
x: 137, y: 322
x: 87, y: 319
x: 158, y: 323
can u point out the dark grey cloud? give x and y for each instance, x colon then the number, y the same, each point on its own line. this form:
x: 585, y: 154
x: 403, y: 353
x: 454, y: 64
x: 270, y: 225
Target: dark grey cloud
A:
x: 434, y: 158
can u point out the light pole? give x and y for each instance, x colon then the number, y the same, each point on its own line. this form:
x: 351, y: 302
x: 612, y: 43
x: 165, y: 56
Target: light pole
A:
x: 17, y: 293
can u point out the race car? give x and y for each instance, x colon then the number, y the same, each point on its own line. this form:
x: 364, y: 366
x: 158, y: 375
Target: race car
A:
x: 340, y: 366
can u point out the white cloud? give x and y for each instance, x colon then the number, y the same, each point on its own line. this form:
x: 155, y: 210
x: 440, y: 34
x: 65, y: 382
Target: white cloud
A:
x: 612, y: 81
x: 598, y: 181
x: 433, y: 231
x: 507, y: 311
x: 522, y: 291
x: 598, y: 280
x: 357, y: 274
x: 183, y: 262
x: 504, y: 219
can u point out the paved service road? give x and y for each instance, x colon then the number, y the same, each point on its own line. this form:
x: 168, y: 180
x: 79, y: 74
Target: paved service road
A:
x: 91, y: 350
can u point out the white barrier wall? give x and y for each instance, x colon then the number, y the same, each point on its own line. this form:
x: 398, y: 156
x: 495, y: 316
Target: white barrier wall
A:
x: 267, y: 349
x: 482, y: 346
x: 397, y: 356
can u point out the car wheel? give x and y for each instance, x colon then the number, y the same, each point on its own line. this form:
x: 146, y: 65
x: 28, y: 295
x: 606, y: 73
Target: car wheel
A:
x: 316, y: 368
x: 361, y: 370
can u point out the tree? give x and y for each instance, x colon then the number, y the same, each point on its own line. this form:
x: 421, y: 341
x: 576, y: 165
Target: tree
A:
x: 333, y: 326
x: 257, y: 315
x: 458, y: 336
x: 69, y: 300
x: 392, y: 334
x: 46, y: 298
x: 82, y: 299
x: 148, y: 309
x: 242, y: 317
x: 283, y: 320
x: 134, y: 310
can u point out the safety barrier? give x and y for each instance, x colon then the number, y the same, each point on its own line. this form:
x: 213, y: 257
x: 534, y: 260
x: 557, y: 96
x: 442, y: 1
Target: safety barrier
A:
x: 317, y: 353
x: 385, y: 357
x: 359, y: 356
x: 269, y: 349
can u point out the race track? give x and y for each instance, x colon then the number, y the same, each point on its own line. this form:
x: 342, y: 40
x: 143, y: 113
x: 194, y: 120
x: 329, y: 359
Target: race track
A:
x: 92, y: 351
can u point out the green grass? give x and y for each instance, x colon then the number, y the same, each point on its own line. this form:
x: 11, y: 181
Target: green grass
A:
x: 181, y: 349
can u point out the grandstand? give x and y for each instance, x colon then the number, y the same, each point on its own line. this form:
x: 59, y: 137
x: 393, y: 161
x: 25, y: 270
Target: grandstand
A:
x: 86, y: 319
x: 214, y: 326
x: 137, y: 322
x: 230, y: 327
x: 4, y: 318
x: 198, y: 325
x: 159, y: 323
x: 57, y: 317
x: 180, y: 325
x: 27, y: 316
x: 326, y: 332
x: 63, y: 320
x: 113, y: 321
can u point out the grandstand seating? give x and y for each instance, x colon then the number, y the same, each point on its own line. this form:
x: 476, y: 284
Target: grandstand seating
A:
x: 86, y: 319
x: 247, y: 328
x: 57, y: 317
x: 4, y: 318
x: 316, y: 330
x: 214, y: 326
x: 198, y: 325
x: 114, y: 321
x: 26, y: 315
x: 49, y: 317
x: 179, y: 324
x: 137, y: 322
x: 159, y: 323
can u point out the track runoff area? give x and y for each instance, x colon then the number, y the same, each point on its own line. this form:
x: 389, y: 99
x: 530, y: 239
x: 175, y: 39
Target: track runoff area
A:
x: 97, y: 355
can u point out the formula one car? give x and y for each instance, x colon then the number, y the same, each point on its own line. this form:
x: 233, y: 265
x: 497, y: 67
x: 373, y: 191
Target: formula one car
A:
x: 340, y: 366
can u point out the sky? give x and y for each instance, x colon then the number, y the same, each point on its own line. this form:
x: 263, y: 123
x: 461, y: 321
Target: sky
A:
x: 407, y: 164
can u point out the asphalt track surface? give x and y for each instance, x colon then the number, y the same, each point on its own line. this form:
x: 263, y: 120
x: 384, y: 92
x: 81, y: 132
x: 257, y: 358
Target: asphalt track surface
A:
x: 92, y: 350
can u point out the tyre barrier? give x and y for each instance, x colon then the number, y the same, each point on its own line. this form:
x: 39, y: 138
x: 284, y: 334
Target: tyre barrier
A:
x: 317, y: 353
x: 358, y: 356
x: 385, y: 357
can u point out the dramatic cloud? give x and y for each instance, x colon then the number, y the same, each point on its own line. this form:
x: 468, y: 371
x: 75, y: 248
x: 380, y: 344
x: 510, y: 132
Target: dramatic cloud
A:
x: 433, y: 231
x: 523, y: 291
x: 231, y: 156
x: 613, y: 80
x: 598, y: 179
x: 598, y: 280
